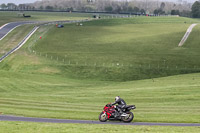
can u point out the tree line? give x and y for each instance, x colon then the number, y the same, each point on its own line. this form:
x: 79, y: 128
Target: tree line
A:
x: 196, y: 10
x: 12, y: 6
x: 111, y: 6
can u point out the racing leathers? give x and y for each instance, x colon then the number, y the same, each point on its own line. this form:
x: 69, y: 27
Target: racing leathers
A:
x: 121, y: 105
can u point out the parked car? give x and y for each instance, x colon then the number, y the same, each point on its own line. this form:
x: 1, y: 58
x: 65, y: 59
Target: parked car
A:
x: 60, y: 26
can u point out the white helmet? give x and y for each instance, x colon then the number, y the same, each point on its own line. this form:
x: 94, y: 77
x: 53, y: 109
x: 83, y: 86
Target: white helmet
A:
x: 117, y: 98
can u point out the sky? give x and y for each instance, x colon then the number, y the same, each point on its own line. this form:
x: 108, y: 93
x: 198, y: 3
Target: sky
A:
x: 191, y: 1
x: 17, y: 1
x: 31, y: 1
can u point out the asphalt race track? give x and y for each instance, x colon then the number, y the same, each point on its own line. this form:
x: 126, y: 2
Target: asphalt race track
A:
x: 187, y: 34
x: 47, y: 120
x: 10, y: 26
x: 7, y: 28
x: 4, y: 30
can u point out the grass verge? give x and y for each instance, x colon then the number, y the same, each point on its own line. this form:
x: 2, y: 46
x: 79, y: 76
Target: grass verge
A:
x: 171, y: 99
x: 22, y: 127
x: 37, y: 86
x: 12, y: 16
x: 14, y: 38
x: 120, y: 49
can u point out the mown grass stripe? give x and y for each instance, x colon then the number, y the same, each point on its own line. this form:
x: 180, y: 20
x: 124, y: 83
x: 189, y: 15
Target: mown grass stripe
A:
x: 46, y: 108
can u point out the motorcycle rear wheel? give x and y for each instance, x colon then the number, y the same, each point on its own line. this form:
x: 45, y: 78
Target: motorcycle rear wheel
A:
x: 128, y: 118
x: 103, y: 117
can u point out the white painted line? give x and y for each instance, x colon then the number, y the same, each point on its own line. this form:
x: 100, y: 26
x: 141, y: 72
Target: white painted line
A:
x: 20, y: 44
x: 12, y: 28
x: 26, y: 38
x: 187, y: 34
x: 4, y: 25
x: 9, y: 32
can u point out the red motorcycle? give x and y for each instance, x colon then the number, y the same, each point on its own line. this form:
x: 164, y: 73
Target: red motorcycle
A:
x: 110, y: 113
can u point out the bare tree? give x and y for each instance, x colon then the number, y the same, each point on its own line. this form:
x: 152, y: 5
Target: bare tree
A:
x: 116, y: 5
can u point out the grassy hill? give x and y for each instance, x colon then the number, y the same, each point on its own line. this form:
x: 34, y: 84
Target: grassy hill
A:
x: 36, y: 81
x: 120, y: 49
x: 12, y: 16
x: 171, y: 99
x: 14, y: 38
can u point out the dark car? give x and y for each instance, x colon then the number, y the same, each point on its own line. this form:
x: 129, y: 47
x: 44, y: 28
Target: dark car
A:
x: 60, y: 26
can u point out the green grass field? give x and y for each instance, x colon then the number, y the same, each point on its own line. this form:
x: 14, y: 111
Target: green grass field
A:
x: 171, y: 99
x: 9, y: 16
x: 35, y: 81
x: 14, y: 38
x: 121, y: 49
x: 22, y: 127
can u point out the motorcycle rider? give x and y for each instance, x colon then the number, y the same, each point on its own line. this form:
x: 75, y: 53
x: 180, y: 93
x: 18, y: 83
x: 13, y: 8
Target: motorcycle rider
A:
x: 121, y: 104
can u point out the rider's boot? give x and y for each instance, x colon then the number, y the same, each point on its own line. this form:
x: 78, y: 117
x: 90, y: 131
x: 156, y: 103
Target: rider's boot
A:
x: 122, y: 113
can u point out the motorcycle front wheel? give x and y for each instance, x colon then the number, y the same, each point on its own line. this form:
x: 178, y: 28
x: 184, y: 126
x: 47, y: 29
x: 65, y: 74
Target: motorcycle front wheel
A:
x: 128, y: 118
x: 103, y: 117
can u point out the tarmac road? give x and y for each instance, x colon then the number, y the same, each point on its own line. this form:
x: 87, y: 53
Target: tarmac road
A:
x: 4, y: 30
x: 47, y: 120
x: 187, y: 34
x: 7, y: 28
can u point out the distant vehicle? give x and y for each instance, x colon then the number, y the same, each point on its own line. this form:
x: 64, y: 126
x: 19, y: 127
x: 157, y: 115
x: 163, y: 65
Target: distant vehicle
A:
x: 26, y: 16
x: 110, y: 113
x: 60, y: 26
x: 79, y: 24
x: 96, y: 16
